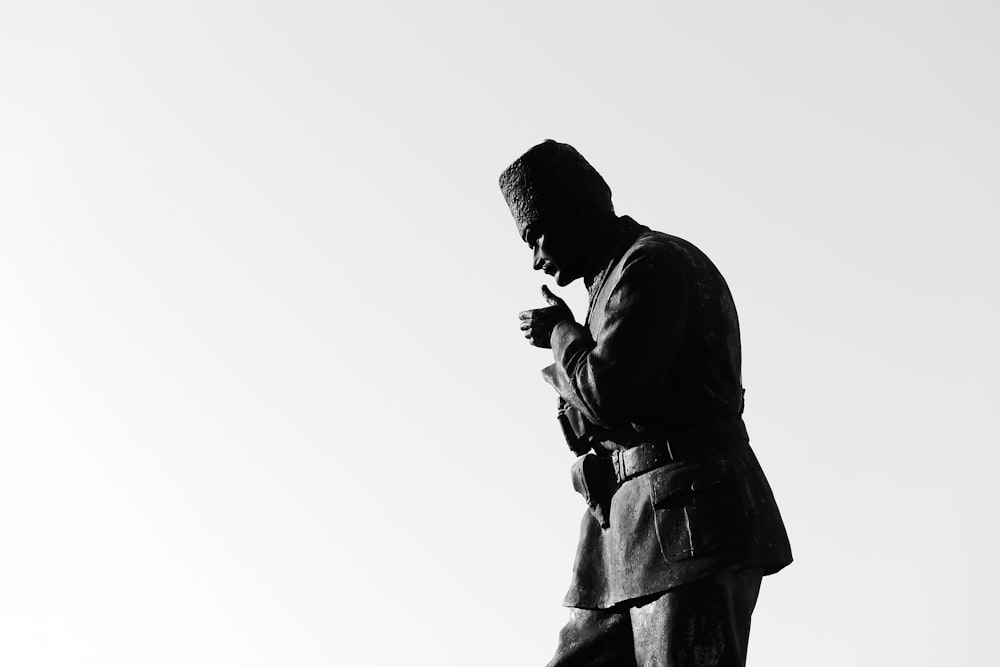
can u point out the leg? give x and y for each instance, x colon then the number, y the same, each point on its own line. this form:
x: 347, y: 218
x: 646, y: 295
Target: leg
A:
x: 704, y: 624
x: 595, y: 638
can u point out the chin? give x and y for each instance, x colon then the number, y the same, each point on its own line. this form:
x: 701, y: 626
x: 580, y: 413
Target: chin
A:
x: 563, y: 280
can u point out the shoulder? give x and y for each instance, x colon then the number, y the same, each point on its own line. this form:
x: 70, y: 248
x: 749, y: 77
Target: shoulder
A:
x: 667, y: 255
x: 653, y: 245
x: 654, y: 253
x: 651, y: 265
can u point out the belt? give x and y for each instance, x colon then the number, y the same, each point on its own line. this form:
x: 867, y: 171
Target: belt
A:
x: 690, y: 444
x: 629, y: 463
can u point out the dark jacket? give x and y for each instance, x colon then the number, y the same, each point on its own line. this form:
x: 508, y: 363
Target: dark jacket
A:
x: 659, y: 360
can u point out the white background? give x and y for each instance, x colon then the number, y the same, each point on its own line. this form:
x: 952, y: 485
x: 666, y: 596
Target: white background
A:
x: 263, y: 398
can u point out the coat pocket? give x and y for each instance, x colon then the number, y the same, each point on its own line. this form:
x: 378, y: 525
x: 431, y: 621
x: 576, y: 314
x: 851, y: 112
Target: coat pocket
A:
x: 697, y: 509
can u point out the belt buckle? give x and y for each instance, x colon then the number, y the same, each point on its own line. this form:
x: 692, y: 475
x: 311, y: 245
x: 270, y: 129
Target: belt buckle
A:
x: 618, y: 463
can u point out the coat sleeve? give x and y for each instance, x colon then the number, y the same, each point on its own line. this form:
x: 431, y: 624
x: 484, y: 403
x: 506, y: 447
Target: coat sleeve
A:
x: 641, y: 329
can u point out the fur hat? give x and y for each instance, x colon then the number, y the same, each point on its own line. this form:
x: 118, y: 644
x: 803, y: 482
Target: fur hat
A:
x: 549, y: 179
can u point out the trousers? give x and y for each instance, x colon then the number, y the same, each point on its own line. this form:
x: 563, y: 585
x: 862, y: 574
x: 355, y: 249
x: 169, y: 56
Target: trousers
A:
x: 701, y: 624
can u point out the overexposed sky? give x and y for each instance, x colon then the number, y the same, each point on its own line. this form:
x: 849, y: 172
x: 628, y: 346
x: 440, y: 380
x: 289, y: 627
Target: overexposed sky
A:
x: 263, y: 396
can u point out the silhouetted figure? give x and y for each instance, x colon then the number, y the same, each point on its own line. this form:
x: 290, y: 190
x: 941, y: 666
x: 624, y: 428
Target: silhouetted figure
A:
x: 682, y: 524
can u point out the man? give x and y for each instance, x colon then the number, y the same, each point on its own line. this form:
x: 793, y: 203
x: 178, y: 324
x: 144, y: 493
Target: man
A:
x: 681, y: 524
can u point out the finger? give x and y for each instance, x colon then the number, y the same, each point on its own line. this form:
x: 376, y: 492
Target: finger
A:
x: 525, y: 315
x: 527, y: 326
x: 549, y: 297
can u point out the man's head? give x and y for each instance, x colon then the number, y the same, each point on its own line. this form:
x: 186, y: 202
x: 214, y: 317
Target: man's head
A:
x: 558, y: 202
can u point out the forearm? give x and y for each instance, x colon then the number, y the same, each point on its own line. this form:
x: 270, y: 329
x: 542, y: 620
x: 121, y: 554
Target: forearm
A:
x: 573, y: 374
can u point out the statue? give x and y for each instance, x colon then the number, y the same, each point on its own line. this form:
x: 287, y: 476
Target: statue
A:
x: 681, y: 524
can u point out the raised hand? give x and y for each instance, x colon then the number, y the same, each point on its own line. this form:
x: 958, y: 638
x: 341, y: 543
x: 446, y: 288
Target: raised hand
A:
x: 537, y: 324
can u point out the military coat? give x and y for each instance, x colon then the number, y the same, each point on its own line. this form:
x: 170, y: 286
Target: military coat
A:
x: 658, y: 360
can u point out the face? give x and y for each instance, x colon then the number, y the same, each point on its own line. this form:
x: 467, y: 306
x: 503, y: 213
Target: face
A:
x: 557, y: 253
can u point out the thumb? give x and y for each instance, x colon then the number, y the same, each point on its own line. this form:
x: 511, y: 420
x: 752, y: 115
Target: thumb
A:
x: 549, y: 297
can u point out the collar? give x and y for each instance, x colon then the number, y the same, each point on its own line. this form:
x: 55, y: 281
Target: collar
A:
x: 608, y: 250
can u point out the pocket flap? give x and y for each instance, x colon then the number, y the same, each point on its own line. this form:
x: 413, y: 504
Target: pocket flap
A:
x: 676, y: 485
